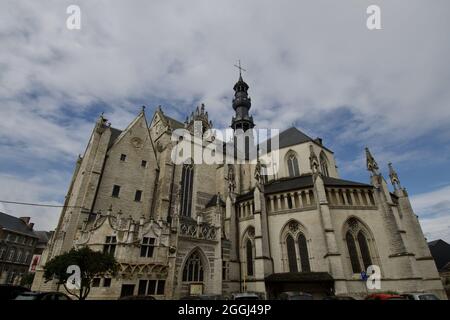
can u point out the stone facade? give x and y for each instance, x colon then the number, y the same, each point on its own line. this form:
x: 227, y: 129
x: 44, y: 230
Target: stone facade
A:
x: 217, y: 229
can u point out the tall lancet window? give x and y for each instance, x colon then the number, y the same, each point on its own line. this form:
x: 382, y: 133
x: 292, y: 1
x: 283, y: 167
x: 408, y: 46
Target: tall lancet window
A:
x: 292, y: 255
x: 249, y: 254
x: 187, y: 177
x: 292, y: 163
x: 324, y: 164
x: 364, y: 248
x: 360, y: 245
x: 295, y: 248
x: 354, y: 260
x: 303, y: 250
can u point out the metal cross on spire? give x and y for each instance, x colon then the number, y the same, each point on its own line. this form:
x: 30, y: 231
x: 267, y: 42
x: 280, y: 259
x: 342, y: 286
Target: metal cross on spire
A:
x: 239, y: 67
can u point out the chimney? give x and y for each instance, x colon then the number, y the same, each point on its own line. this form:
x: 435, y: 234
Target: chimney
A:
x: 25, y: 219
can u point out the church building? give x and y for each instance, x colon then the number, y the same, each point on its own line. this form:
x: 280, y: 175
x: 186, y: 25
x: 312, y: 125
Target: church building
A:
x: 217, y: 229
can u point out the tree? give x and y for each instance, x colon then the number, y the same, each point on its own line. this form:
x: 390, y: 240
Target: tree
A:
x: 91, y: 264
x: 27, y: 280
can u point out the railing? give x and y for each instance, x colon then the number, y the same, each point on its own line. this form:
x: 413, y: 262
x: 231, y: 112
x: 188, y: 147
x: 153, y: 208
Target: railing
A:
x: 295, y: 200
x: 196, y: 230
x: 350, y: 197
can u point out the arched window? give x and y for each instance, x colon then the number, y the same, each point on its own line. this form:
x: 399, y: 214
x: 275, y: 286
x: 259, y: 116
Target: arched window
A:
x: 292, y: 256
x: 359, y: 244
x: 364, y: 248
x: 295, y: 248
x: 187, y: 176
x: 303, y: 250
x: 353, y: 253
x: 193, y: 269
x: 249, y: 254
x: 292, y: 164
x: 324, y: 164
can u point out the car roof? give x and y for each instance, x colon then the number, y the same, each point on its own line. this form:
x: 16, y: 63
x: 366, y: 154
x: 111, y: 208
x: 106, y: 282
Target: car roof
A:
x: 295, y: 293
x: 245, y: 294
x: 36, y: 293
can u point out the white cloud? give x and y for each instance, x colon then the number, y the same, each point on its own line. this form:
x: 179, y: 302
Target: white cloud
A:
x: 433, y: 209
x: 304, y: 59
x: 41, y: 189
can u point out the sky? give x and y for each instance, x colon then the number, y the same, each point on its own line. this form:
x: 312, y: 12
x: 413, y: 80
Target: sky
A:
x: 312, y: 64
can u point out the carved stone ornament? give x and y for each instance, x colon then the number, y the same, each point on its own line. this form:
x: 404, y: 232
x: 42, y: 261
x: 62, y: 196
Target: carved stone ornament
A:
x: 136, y: 142
x: 293, y: 226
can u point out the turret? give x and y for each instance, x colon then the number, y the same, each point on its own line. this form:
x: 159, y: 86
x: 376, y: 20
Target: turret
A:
x: 241, y: 105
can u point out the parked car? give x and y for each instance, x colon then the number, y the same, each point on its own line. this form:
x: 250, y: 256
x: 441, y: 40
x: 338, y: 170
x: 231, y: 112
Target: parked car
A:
x: 338, y: 298
x: 48, y: 296
x: 245, y: 296
x: 420, y: 296
x: 10, y: 292
x: 139, y: 297
x: 384, y: 296
x: 295, y: 295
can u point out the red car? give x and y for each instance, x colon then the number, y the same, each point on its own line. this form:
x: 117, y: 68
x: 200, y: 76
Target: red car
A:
x: 384, y: 296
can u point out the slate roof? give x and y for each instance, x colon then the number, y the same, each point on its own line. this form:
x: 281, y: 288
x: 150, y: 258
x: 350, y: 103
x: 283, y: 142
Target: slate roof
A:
x: 115, y: 133
x: 290, y: 137
x: 305, y: 181
x: 440, y: 250
x: 299, y: 277
x: 329, y: 181
x: 43, y: 236
x: 300, y: 182
x: 174, y: 124
x: 213, y: 201
x: 285, y: 184
x: 15, y: 224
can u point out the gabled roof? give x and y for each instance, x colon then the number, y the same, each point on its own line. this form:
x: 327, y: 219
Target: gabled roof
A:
x: 15, y: 224
x: 287, y: 138
x: 290, y: 137
x: 440, y: 250
x: 174, y: 124
x: 115, y: 133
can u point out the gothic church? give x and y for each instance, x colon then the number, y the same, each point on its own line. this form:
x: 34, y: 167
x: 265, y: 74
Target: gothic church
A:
x: 179, y: 230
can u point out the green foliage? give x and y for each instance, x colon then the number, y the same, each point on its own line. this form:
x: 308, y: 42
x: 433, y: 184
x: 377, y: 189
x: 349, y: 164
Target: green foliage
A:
x: 91, y: 263
x: 27, y: 280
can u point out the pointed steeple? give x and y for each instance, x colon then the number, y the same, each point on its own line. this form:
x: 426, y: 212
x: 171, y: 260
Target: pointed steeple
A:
x: 394, y: 177
x: 241, y: 104
x: 200, y: 114
x: 372, y: 165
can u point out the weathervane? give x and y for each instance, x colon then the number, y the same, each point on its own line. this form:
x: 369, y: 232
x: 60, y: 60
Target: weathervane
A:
x: 239, y: 67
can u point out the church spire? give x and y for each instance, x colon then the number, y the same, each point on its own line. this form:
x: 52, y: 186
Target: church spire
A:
x: 394, y: 177
x: 372, y: 165
x: 241, y: 104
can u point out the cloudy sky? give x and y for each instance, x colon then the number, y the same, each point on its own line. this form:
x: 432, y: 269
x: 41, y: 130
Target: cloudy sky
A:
x: 312, y: 64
